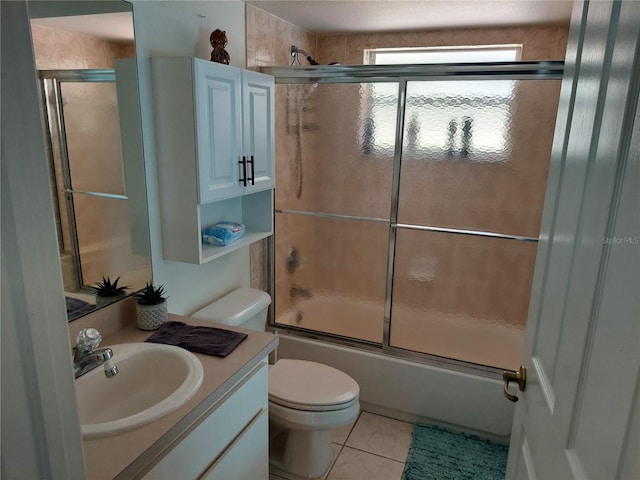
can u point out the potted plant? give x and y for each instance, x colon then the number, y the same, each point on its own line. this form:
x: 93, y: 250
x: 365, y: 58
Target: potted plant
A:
x: 108, y: 291
x: 151, y: 309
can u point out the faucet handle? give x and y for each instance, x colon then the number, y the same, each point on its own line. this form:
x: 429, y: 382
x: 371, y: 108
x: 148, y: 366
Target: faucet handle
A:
x: 88, y: 340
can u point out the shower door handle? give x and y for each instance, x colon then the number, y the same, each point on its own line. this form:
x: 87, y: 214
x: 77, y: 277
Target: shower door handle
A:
x: 519, y: 377
x: 94, y: 194
x: 243, y: 162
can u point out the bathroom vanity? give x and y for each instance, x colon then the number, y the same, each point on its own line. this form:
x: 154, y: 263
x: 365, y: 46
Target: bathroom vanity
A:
x: 221, y: 432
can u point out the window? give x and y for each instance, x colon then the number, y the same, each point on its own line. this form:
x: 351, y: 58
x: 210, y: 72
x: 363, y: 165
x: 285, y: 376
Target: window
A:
x: 432, y: 55
x: 464, y: 119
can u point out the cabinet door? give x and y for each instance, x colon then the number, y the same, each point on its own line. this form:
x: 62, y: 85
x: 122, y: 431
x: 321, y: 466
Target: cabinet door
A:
x: 258, y: 101
x: 247, y: 457
x: 209, y: 442
x: 218, y: 130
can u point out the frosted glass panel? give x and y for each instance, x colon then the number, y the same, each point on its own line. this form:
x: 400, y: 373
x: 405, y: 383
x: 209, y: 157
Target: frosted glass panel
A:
x: 331, y: 275
x: 104, y: 242
x: 476, y: 154
x: 461, y: 296
x: 334, y: 148
x: 93, y: 137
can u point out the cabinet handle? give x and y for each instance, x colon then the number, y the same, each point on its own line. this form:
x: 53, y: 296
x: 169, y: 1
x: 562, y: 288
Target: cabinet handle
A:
x: 253, y: 171
x: 243, y: 162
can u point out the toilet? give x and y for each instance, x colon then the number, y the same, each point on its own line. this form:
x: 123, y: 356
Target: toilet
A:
x: 307, y: 400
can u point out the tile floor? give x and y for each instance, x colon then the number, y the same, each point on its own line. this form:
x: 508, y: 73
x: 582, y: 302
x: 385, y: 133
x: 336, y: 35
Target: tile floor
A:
x: 373, y: 448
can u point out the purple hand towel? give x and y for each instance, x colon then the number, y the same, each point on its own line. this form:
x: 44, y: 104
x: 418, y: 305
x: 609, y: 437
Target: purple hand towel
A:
x: 207, y: 340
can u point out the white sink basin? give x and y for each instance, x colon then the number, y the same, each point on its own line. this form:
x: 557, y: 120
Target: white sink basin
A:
x: 154, y: 380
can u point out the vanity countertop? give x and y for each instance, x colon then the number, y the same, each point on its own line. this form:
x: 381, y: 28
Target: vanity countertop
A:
x: 129, y: 454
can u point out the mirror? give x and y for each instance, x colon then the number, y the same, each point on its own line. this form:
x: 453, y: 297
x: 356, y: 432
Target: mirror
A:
x: 85, y: 56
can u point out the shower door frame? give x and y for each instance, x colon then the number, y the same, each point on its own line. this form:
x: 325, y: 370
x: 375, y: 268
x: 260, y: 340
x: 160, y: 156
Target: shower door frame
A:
x: 53, y: 108
x: 401, y: 74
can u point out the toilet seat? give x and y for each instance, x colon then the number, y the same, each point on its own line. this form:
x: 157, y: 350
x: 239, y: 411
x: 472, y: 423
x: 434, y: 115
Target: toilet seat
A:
x: 312, y: 408
x: 311, y: 386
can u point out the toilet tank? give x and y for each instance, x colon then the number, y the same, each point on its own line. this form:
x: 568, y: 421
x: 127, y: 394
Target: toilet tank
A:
x: 245, y: 307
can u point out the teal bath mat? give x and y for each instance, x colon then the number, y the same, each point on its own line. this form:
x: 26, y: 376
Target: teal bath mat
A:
x: 440, y: 454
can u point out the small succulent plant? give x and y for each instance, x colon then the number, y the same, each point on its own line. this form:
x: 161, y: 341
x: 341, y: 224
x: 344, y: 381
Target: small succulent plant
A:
x: 108, y: 288
x: 151, y: 295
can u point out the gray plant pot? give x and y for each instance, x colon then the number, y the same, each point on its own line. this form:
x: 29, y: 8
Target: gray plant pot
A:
x: 151, y: 317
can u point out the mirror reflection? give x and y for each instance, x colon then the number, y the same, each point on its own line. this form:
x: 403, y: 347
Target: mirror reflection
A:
x: 85, y: 56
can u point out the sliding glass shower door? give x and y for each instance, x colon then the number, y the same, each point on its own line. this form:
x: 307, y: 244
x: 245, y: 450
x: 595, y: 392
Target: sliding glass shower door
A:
x: 408, y: 211
x: 475, y: 157
x: 93, y: 212
x: 332, y: 208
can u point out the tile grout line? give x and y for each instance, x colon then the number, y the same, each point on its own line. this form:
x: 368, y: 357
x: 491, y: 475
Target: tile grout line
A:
x: 342, y: 445
x: 372, y: 453
x: 377, y: 455
x: 333, y: 464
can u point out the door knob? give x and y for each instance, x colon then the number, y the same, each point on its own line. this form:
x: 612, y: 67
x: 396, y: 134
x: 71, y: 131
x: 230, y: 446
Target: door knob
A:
x: 519, y: 377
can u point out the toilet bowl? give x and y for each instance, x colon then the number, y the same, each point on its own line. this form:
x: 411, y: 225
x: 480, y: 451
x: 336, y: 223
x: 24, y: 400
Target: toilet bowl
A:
x: 306, y: 399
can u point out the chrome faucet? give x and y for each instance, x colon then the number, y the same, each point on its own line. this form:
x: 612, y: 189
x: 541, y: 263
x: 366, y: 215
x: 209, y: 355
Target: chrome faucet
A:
x: 87, y: 355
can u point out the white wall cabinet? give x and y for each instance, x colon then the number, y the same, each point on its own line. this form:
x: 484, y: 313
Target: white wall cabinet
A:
x: 232, y: 442
x: 215, y: 151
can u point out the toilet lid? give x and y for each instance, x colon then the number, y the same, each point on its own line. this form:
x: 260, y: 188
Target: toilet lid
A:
x: 302, y: 384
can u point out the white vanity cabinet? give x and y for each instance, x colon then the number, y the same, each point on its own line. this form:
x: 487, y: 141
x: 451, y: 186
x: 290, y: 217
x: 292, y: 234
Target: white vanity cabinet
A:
x: 215, y: 151
x: 230, y: 443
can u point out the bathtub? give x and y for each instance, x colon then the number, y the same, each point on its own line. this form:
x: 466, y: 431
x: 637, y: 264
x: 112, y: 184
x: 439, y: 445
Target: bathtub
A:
x: 397, y: 387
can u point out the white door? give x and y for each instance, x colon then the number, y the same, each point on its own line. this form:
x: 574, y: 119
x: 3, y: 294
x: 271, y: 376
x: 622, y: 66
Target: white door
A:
x: 258, y: 102
x: 579, y: 416
x: 219, y: 130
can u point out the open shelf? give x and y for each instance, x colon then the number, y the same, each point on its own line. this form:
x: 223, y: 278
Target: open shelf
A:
x: 254, y: 210
x: 211, y: 252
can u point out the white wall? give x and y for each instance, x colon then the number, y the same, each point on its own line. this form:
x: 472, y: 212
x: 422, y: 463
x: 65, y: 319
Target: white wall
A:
x: 182, y: 28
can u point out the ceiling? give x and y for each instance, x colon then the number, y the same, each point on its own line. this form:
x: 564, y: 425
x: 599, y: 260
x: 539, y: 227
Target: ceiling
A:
x: 337, y: 16
x: 340, y: 16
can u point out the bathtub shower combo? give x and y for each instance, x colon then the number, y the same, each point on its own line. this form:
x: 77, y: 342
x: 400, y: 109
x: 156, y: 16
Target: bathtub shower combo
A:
x: 408, y: 205
x: 96, y: 230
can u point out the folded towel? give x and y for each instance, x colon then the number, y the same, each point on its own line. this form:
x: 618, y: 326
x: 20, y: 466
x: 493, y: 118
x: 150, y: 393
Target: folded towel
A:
x: 207, y: 340
x: 223, y: 233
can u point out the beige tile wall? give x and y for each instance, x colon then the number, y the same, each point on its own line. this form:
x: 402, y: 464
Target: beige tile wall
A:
x: 539, y: 42
x: 269, y: 41
x: 59, y: 49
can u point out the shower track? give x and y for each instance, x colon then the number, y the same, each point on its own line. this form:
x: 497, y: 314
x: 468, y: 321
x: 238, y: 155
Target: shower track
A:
x: 327, y: 74
x: 544, y: 70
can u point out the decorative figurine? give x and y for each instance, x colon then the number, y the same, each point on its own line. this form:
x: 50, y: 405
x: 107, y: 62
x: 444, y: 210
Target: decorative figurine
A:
x: 218, y: 40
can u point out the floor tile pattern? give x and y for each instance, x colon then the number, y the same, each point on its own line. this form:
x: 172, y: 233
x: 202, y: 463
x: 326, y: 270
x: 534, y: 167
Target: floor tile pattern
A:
x: 374, y: 448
